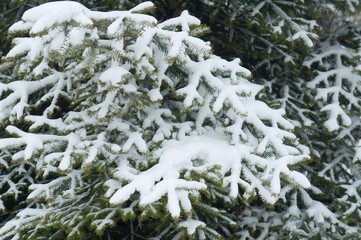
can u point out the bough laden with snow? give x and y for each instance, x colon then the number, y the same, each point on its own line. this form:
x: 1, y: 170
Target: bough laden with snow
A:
x: 125, y: 118
x: 325, y: 104
x: 334, y: 88
x: 318, y: 86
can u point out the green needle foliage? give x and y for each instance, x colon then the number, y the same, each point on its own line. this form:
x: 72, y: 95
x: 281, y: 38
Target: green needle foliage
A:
x: 116, y: 125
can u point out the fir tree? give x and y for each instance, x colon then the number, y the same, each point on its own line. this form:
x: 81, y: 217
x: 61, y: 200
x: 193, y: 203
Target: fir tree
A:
x: 315, y: 78
x: 115, y: 119
x: 304, y: 54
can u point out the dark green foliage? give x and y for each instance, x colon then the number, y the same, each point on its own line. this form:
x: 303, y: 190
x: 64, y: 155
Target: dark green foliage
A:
x: 300, y: 74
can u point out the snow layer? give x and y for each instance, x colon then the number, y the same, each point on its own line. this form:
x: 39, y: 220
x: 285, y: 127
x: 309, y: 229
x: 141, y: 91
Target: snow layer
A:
x: 53, y: 13
x: 177, y: 156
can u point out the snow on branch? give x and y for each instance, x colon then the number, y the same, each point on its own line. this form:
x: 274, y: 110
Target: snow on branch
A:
x: 337, y: 83
x: 177, y: 156
x: 142, y: 112
x: 299, y: 28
